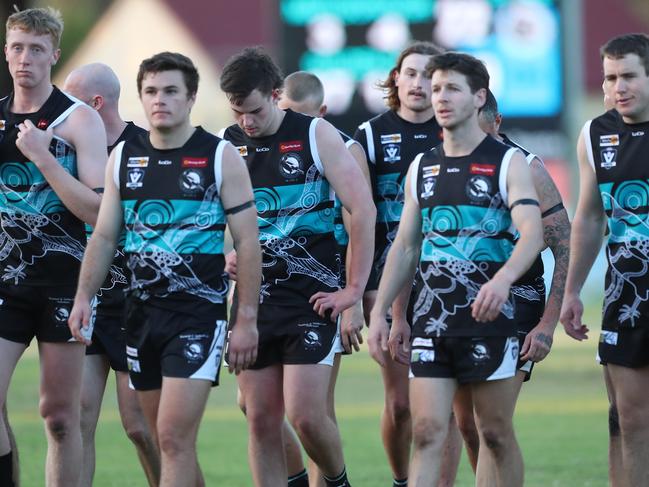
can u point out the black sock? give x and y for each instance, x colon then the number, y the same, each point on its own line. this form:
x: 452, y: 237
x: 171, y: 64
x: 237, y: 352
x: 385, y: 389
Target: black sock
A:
x: 400, y: 482
x: 338, y: 481
x: 6, y: 470
x: 299, y: 480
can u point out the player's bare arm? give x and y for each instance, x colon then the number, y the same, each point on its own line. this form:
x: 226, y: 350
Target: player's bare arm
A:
x: 99, y: 253
x: 400, y: 266
x: 84, y: 130
x: 588, y: 229
x: 343, y: 173
x: 556, y: 236
x: 239, y: 203
x: 352, y: 320
x: 527, y: 219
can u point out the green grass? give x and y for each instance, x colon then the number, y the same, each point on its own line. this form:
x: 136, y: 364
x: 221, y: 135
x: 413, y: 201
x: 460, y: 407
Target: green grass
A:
x: 560, y: 420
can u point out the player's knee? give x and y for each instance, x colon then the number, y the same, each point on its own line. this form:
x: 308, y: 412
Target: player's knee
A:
x: 59, y: 419
x: 427, y: 433
x: 398, y: 409
x: 58, y: 426
x: 264, y: 423
x: 139, y: 435
x: 631, y: 419
x: 613, y: 421
x: 496, y: 439
x: 306, y: 425
x: 174, y: 443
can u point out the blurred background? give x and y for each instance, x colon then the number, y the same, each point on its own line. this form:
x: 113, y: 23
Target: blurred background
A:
x: 543, y: 55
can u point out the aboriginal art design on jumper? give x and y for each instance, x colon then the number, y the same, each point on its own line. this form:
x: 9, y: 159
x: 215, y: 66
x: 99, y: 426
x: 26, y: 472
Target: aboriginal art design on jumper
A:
x: 166, y: 254
x: 458, y: 252
x: 284, y: 233
x: 30, y: 213
x: 532, y: 293
x: 389, y: 210
x: 628, y: 247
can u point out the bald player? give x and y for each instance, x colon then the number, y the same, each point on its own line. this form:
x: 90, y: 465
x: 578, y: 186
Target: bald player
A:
x: 97, y: 85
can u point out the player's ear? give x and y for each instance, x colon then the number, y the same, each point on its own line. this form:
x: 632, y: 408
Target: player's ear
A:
x: 322, y: 111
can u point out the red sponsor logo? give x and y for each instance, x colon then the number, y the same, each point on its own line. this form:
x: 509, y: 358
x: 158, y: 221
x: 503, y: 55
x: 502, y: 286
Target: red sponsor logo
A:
x: 42, y: 124
x: 290, y: 146
x: 484, y: 169
x: 194, y: 161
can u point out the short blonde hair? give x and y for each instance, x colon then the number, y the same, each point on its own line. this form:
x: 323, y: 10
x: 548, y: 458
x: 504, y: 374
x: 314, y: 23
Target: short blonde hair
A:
x: 41, y: 21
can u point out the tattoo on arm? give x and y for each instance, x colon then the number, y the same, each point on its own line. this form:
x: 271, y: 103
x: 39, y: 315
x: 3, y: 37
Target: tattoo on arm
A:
x: 545, y: 339
x: 556, y: 233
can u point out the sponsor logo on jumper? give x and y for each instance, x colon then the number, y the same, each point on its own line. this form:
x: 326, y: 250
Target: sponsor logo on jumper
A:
x: 429, y: 188
x: 392, y: 153
x: 452, y: 169
x: 135, y: 177
x: 191, y: 181
x: 290, y: 165
x: 609, y: 140
x: 164, y: 162
x: 485, y: 169
x: 430, y: 171
x: 478, y: 189
x: 138, y: 161
x: 194, y: 161
x: 42, y: 124
x: 291, y: 146
x: 391, y: 139
x: 262, y: 149
x: 243, y: 150
x: 608, y: 158
x: 420, y: 136
x: 638, y: 133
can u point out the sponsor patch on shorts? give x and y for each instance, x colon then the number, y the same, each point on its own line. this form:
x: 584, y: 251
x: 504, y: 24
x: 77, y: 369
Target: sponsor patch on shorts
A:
x: 608, y: 337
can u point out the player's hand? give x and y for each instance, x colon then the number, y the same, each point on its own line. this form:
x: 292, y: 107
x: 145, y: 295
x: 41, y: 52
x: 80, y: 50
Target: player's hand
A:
x: 399, y: 341
x: 538, y: 343
x: 351, y: 327
x: 80, y: 319
x: 490, y: 299
x: 572, y: 311
x: 335, y: 302
x: 242, y: 346
x: 33, y: 142
x: 377, y: 338
x: 231, y: 264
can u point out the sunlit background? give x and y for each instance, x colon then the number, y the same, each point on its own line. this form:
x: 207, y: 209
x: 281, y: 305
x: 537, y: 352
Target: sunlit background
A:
x: 543, y: 55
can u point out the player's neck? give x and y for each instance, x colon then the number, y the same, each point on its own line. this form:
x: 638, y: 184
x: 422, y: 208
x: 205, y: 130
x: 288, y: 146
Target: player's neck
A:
x: 114, y: 127
x: 278, y: 118
x: 641, y: 117
x: 462, y: 139
x: 172, y: 138
x: 30, y: 100
x: 415, y: 116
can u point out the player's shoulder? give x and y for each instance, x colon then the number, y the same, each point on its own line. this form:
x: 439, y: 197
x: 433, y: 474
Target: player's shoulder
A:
x: 610, y: 120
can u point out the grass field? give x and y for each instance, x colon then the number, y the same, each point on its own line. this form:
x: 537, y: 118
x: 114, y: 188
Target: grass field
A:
x: 560, y: 420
